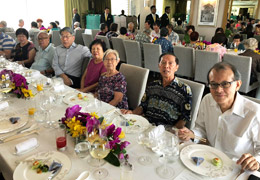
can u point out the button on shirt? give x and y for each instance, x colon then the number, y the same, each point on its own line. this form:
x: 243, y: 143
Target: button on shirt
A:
x: 69, y: 61
x: 43, y: 58
x: 235, y: 131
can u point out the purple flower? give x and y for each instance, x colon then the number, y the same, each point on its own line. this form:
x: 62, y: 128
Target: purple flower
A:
x: 124, y: 144
x: 91, y: 124
x: 110, y: 129
x: 71, y: 111
x: 112, y: 144
x: 19, y: 81
x: 121, y: 156
x: 117, y: 133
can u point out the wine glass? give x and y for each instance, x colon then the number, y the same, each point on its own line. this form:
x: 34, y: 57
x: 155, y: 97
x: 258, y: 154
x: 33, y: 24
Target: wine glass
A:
x: 99, y: 149
x: 144, y: 139
x: 47, y: 99
x: 5, y: 85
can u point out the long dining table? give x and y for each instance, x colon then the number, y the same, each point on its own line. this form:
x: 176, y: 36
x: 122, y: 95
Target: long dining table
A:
x: 47, y: 142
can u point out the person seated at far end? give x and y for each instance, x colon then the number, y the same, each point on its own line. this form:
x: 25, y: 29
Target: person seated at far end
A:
x: 122, y: 34
x: 166, y: 45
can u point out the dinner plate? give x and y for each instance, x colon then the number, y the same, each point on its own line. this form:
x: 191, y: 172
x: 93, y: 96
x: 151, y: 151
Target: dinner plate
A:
x: 206, y: 168
x: 6, y: 125
x: 24, y: 170
x: 72, y: 98
x: 138, y: 123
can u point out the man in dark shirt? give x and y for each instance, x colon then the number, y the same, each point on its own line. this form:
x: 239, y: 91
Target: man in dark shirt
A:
x: 76, y: 17
x: 165, y: 19
x: 152, y: 17
x: 106, y: 18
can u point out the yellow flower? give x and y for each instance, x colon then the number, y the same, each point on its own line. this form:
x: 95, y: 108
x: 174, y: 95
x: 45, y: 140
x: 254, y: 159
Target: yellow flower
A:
x: 26, y: 92
x: 3, y: 77
x: 39, y: 87
x: 122, y: 135
x: 94, y: 114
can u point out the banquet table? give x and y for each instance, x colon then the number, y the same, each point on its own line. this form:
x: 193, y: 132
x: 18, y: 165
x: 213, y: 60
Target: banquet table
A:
x: 47, y: 142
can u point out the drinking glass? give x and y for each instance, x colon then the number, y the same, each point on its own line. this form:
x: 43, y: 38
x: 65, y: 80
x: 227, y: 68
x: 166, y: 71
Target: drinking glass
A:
x: 61, y: 140
x: 5, y: 85
x: 47, y: 100
x: 144, y: 139
x: 126, y: 171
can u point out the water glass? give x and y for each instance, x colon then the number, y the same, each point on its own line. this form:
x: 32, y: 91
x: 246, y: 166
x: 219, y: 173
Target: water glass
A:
x: 81, y: 149
x: 61, y: 139
x: 127, y: 171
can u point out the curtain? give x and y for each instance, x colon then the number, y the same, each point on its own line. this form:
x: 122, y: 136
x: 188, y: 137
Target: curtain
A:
x: 81, y: 5
x: 170, y: 3
x: 100, y: 6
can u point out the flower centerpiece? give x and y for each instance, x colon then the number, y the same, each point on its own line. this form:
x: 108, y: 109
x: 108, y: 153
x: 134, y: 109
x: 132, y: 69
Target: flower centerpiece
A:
x: 16, y: 82
x: 79, y: 123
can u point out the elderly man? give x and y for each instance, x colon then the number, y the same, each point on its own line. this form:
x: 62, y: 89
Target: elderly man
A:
x: 68, y: 58
x: 76, y: 26
x: 145, y: 36
x: 44, y: 57
x: 166, y: 45
x: 156, y: 31
x: 3, y: 24
x: 34, y: 28
x: 166, y: 101
x: 7, y: 44
x: 229, y: 121
x: 76, y: 17
x: 21, y: 23
x: 131, y: 31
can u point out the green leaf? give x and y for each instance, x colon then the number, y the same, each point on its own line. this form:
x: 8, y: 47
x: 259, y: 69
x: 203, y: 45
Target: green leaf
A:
x: 112, y: 159
x: 101, y: 119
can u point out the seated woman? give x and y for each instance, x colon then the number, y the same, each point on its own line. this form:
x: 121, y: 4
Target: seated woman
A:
x: 53, y: 27
x: 257, y: 30
x: 113, y: 30
x: 112, y: 86
x: 194, y: 37
x: 103, y: 30
x: 219, y: 30
x: 123, y: 35
x: 189, y: 30
x: 131, y: 32
x: 95, y: 69
x: 217, y: 45
x: 24, y: 51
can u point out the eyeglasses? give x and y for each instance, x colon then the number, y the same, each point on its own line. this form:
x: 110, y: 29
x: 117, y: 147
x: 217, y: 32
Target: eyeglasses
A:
x: 39, y: 39
x: 224, y: 84
x: 65, y: 37
x: 110, y: 59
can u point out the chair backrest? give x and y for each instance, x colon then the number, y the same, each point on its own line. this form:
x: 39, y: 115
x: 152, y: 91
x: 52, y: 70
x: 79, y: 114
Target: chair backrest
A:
x: 197, y: 92
x: 84, y: 64
x: 87, y: 39
x: 56, y: 38
x: 186, y: 61
x: 94, y: 32
x: 35, y: 40
x: 244, y: 36
x: 204, y: 61
x: 151, y: 56
x: 253, y: 99
x: 181, y: 37
x: 105, y: 39
x: 257, y: 37
x: 78, y: 36
x: 133, y: 52
x: 119, y: 46
x: 136, y: 78
x: 243, y: 64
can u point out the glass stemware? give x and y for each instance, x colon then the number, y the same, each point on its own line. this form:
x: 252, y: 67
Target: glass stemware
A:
x: 144, y: 139
x: 5, y: 85
x: 47, y: 100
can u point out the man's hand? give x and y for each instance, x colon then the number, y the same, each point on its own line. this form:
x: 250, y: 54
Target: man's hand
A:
x: 66, y: 80
x: 185, y: 134
x: 125, y: 111
x: 248, y: 162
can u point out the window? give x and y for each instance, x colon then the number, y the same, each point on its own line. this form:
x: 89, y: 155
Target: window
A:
x: 118, y: 5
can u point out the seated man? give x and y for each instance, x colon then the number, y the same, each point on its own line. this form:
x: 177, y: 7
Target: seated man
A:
x: 68, y: 58
x: 44, y: 57
x: 166, y: 45
x: 7, y: 44
x: 229, y: 121
x: 166, y: 101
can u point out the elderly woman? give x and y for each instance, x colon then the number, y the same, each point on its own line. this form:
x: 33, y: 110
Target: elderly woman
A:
x: 250, y: 45
x: 95, y: 69
x: 103, y: 29
x: 113, y: 31
x: 112, y: 86
x: 24, y: 51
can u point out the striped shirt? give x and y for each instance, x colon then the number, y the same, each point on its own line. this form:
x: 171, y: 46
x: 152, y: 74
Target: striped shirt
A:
x: 6, y: 42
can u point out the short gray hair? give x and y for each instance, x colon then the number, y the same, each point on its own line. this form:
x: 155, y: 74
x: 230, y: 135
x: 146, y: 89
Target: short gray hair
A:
x: 131, y: 23
x: 251, y: 43
x: 3, y: 23
x: 67, y: 29
x: 42, y: 32
x: 21, y: 20
x: 77, y: 24
x: 111, y: 51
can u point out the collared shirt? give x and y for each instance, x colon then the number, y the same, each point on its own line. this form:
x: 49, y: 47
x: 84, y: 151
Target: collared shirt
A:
x: 166, y: 45
x: 235, y: 131
x: 69, y: 60
x: 31, y: 33
x: 173, y: 37
x: 167, y: 105
x: 143, y: 37
x: 43, y: 58
x: 155, y: 35
x: 6, y: 42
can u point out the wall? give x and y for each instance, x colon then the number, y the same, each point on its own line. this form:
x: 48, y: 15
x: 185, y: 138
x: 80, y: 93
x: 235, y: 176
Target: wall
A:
x: 207, y: 31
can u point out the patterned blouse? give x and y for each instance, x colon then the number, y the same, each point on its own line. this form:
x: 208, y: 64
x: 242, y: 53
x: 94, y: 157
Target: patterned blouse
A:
x: 108, y: 85
x: 167, y: 105
x: 165, y: 45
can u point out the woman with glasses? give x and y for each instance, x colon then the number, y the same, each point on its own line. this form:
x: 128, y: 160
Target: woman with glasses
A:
x: 112, y: 86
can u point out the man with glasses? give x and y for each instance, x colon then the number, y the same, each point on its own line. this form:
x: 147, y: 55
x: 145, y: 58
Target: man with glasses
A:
x: 68, y: 58
x: 44, y: 57
x: 229, y: 121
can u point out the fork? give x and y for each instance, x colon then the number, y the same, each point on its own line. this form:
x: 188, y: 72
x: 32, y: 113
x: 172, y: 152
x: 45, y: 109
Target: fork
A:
x: 54, y: 173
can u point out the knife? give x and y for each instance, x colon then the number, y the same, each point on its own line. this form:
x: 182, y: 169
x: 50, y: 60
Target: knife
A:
x: 54, y: 173
x: 19, y: 136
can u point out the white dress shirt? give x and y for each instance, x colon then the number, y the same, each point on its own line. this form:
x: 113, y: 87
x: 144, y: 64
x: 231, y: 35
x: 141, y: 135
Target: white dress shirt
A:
x: 235, y: 131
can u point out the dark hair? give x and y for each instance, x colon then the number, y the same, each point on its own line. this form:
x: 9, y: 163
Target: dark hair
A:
x: 194, y: 36
x: 179, y: 22
x: 167, y: 7
x: 22, y: 31
x: 147, y: 21
x: 243, y: 23
x: 228, y: 25
x: 156, y: 24
x: 57, y: 22
x: 219, y: 38
x: 34, y: 24
x: 103, y: 26
x: 231, y: 21
x: 98, y: 42
x: 169, y: 53
x: 54, y: 25
x: 123, y: 30
x: 238, y: 36
x: 113, y: 27
x: 67, y: 29
x: 106, y: 7
x: 258, y: 25
x: 224, y: 66
x: 170, y: 26
x: 219, y: 29
x: 164, y: 32
x: 39, y: 20
x: 249, y: 28
x: 153, y: 6
x: 190, y: 27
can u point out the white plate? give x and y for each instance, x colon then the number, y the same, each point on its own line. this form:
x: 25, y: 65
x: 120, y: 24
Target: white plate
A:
x: 7, y: 126
x: 139, y: 125
x: 72, y: 98
x: 206, y: 168
x: 24, y: 170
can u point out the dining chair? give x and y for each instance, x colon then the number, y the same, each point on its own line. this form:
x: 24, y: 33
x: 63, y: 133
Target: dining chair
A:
x: 181, y: 37
x: 152, y: 53
x: 35, y: 40
x: 136, y: 78
x: 94, y: 32
x: 204, y: 60
x: 243, y: 64
x: 119, y: 46
x: 133, y: 52
x: 197, y: 90
x: 105, y: 39
x: 87, y: 39
x: 186, y: 58
x: 56, y: 38
x: 78, y: 37
x: 84, y: 65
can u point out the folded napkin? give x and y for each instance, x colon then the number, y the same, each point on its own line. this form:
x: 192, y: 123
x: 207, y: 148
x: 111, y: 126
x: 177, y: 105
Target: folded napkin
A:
x: 156, y: 132
x: 59, y: 88
x: 83, y: 176
x: 26, y: 145
x: 3, y: 104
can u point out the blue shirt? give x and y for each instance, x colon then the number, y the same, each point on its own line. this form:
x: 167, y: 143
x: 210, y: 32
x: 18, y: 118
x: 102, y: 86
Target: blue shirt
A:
x: 165, y: 45
x: 43, y: 58
x: 6, y: 42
